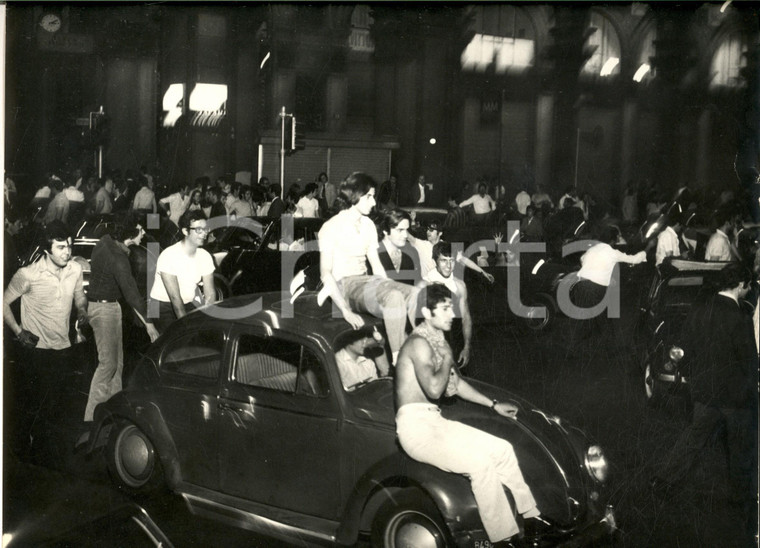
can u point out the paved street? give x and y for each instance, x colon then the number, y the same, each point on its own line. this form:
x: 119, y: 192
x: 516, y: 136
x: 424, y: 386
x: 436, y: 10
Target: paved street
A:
x: 600, y: 390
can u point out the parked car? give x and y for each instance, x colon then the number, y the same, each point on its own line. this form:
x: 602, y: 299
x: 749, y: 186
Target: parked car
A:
x: 245, y: 416
x: 677, y: 285
x: 260, y: 254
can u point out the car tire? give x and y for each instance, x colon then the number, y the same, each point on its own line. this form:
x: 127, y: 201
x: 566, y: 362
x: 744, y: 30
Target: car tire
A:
x: 540, y: 324
x: 409, y: 519
x: 132, y: 459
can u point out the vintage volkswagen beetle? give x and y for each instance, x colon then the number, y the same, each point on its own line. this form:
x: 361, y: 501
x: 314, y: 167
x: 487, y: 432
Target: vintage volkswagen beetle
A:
x: 677, y: 285
x: 243, y: 413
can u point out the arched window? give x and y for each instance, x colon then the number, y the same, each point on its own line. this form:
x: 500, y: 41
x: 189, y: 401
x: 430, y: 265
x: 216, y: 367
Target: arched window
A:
x: 644, y: 71
x: 729, y: 58
x: 504, y: 40
x: 361, y: 21
x: 605, y: 61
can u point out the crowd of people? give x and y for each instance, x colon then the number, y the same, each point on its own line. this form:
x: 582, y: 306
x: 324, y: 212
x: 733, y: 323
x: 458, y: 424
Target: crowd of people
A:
x: 370, y: 263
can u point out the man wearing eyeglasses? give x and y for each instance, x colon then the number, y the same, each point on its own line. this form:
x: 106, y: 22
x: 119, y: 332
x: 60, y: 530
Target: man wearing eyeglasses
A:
x: 179, y: 271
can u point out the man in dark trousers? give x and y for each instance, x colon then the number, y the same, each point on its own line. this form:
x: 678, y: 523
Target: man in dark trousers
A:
x: 719, y: 344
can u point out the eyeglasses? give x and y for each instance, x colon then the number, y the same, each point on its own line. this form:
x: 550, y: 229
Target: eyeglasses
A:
x: 199, y: 229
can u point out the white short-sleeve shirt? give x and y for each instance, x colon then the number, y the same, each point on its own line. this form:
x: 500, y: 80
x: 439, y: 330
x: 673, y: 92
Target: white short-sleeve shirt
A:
x: 349, y: 241
x: 188, y: 270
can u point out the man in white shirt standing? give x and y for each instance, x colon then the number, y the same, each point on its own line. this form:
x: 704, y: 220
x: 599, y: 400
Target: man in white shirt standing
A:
x: 176, y: 204
x: 481, y: 202
x: 667, y: 240
x: 719, y: 246
x: 180, y: 269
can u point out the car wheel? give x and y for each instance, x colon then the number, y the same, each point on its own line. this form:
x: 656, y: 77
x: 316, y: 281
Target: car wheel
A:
x: 534, y: 323
x: 132, y: 459
x: 409, y: 519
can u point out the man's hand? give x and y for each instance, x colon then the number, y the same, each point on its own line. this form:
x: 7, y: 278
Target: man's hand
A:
x: 464, y: 357
x: 488, y: 276
x: 498, y: 237
x: 27, y: 338
x: 506, y: 409
x: 82, y: 319
x: 353, y: 319
x: 152, y: 331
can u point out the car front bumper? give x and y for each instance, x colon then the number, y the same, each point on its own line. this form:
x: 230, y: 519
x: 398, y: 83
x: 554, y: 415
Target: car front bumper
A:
x: 576, y: 538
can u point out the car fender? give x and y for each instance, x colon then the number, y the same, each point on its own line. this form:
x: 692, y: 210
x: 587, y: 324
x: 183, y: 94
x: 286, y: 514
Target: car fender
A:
x: 451, y: 494
x: 146, y: 416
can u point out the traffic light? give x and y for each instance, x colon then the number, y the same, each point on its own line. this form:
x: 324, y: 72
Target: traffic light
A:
x: 295, y: 138
x: 299, y: 136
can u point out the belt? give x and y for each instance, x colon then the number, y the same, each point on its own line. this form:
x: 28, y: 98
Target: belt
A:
x: 102, y: 300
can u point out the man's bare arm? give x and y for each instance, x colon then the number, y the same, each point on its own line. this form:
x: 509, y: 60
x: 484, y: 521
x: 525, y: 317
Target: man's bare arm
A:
x: 172, y: 289
x: 464, y: 355
x: 325, y: 271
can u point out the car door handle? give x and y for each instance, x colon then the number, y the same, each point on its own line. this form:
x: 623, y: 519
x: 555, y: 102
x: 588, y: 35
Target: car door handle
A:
x: 230, y: 407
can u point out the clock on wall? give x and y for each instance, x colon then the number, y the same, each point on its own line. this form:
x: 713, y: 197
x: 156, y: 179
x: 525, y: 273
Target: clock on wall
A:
x: 50, y: 22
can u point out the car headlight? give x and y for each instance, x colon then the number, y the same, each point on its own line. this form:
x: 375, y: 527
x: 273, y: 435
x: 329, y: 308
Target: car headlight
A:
x: 675, y: 354
x: 596, y: 463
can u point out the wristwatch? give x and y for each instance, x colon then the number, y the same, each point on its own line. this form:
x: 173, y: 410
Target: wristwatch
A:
x: 493, y: 404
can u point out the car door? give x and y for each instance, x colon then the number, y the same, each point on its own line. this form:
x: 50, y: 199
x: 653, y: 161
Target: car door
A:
x: 190, y: 365
x: 279, y: 425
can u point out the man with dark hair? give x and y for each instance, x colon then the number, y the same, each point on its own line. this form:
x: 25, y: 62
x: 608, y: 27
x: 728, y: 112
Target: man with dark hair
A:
x: 719, y: 344
x: 111, y: 280
x: 215, y: 203
x: 443, y: 273
x: 424, y: 373
x: 277, y: 205
x: 104, y: 197
x: 47, y: 290
x: 347, y: 242
x: 176, y: 204
x: 668, y: 240
x: 400, y: 260
x: 719, y: 246
x: 180, y: 269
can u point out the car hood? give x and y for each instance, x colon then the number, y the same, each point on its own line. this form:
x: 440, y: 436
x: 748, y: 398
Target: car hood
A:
x: 550, y: 451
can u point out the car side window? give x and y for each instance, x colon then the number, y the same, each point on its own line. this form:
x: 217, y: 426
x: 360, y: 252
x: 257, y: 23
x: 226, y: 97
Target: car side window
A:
x: 198, y: 353
x: 277, y: 364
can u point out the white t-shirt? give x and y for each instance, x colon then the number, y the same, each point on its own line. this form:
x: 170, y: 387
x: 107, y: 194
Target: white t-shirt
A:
x: 307, y: 206
x: 349, y: 241
x: 480, y: 204
x: 434, y: 277
x: 718, y: 247
x: 177, y: 205
x: 188, y: 270
x: 667, y: 245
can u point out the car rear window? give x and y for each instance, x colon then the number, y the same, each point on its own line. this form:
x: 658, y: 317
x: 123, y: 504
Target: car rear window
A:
x: 198, y: 353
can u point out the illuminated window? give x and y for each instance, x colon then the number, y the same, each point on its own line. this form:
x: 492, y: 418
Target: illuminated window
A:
x: 644, y: 69
x: 172, y: 104
x: 728, y: 60
x: 504, y: 40
x: 208, y: 103
x: 360, y: 38
x: 605, y: 61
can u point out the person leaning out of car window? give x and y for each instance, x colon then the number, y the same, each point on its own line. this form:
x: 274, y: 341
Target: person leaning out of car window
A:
x: 180, y: 269
x: 362, y: 358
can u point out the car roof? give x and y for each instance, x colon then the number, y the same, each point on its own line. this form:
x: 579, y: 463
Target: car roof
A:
x: 307, y: 317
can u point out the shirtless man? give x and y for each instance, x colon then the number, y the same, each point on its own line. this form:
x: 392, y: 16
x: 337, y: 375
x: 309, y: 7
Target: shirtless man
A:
x: 425, y: 372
